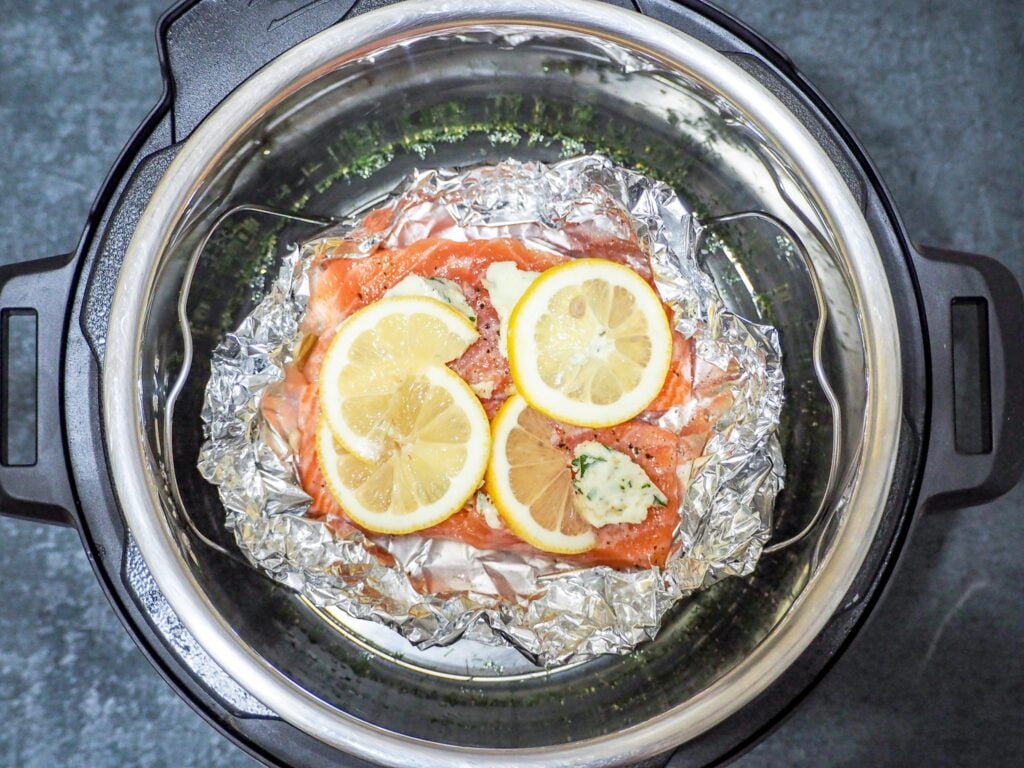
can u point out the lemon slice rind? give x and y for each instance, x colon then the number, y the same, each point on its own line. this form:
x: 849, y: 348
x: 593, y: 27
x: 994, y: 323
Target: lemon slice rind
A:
x: 517, y: 515
x: 335, y: 461
x: 374, y: 350
x: 648, y: 322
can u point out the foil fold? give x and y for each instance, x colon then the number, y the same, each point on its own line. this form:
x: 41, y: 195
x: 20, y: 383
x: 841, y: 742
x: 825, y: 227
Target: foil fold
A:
x: 437, y: 591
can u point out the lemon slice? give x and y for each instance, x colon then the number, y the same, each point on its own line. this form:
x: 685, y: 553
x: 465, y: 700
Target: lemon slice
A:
x: 530, y: 482
x: 432, y: 461
x: 373, y: 352
x: 589, y: 343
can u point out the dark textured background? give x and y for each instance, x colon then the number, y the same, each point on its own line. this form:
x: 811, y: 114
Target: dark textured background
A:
x: 935, y: 91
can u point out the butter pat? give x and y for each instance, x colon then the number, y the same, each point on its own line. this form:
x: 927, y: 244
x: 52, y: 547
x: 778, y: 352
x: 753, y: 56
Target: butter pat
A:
x: 490, y: 512
x: 506, y: 283
x: 483, y: 389
x: 610, y: 487
x: 434, y: 288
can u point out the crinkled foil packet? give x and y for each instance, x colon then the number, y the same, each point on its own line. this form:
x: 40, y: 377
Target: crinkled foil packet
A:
x: 551, y: 612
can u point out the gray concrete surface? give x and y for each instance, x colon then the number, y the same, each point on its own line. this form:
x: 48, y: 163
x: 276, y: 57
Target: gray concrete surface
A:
x: 936, y: 92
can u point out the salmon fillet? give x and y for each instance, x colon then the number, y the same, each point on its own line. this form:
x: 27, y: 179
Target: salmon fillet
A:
x: 340, y: 286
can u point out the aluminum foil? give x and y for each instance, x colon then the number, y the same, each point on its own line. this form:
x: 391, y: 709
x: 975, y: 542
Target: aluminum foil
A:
x: 550, y: 611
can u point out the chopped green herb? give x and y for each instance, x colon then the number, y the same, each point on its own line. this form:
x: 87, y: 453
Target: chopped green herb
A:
x: 582, y: 463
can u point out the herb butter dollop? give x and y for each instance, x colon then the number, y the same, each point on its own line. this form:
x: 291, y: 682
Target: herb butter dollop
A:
x: 506, y: 283
x: 486, y: 507
x: 611, y: 488
x: 434, y: 288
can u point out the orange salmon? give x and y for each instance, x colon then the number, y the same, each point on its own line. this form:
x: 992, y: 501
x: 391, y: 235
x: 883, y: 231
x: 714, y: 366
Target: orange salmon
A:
x: 340, y: 286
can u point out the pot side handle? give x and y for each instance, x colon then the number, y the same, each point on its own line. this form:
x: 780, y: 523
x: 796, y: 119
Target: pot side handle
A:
x: 974, y: 310
x: 34, y: 480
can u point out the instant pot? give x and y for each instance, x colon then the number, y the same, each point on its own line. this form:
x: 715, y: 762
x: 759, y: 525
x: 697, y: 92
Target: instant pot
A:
x: 280, y: 117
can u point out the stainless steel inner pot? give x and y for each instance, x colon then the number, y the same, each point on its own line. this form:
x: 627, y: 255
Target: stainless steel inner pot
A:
x: 328, y: 128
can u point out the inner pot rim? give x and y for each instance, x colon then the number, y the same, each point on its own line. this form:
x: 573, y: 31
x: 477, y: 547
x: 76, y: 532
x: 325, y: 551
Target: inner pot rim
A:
x: 136, y: 483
